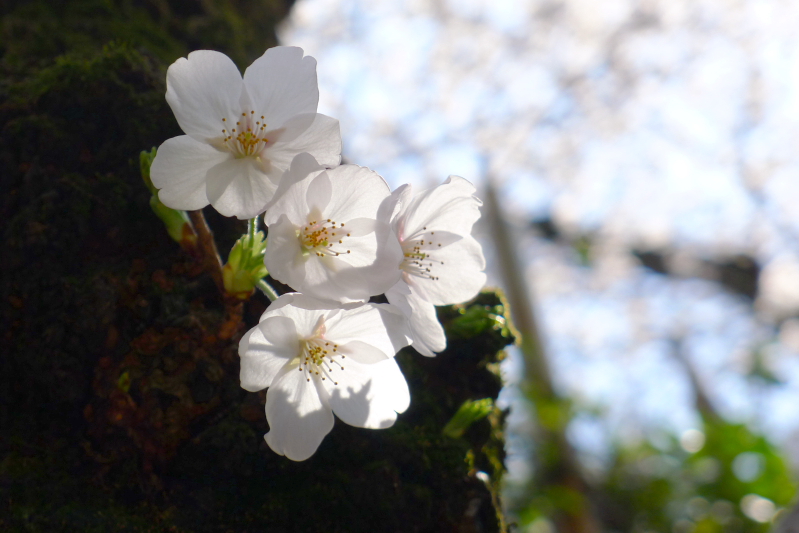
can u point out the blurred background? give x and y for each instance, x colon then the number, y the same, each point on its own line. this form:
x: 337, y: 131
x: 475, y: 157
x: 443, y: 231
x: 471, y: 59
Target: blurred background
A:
x: 644, y: 155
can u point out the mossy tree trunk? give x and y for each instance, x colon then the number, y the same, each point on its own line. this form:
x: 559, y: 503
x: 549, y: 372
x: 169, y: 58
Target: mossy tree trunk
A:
x: 120, y: 403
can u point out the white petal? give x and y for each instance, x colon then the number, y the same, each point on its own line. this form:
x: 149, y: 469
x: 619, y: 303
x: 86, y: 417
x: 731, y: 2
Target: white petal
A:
x: 303, y: 310
x: 179, y: 170
x: 375, y: 263
x: 328, y: 278
x: 239, y: 187
x: 357, y: 192
x: 368, y: 396
x: 397, y: 326
x: 392, y: 205
x: 319, y: 193
x: 282, y: 301
x: 434, y: 241
x: 302, y: 166
x: 298, y: 419
x: 281, y: 83
x: 458, y: 271
x: 266, y: 349
x: 281, y: 334
x: 426, y: 331
x: 362, y: 249
x: 378, y: 325
x: 291, y: 202
x: 450, y: 206
x: 360, y: 227
x: 362, y: 323
x: 388, y: 380
x: 363, y: 353
x: 283, y: 256
x: 202, y: 90
x: 316, y: 134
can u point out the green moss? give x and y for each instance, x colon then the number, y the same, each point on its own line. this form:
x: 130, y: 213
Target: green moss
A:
x: 33, y: 33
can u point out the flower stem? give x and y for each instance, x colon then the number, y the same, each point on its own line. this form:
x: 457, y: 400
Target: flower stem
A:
x: 211, y: 258
x: 267, y: 290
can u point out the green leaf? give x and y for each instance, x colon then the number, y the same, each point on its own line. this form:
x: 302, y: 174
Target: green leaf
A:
x: 470, y: 412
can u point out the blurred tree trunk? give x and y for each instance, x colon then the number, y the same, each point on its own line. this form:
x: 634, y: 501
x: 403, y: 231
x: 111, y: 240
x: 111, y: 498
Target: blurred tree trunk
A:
x: 558, y: 474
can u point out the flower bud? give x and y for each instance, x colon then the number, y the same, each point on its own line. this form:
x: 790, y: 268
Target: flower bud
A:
x: 245, y: 266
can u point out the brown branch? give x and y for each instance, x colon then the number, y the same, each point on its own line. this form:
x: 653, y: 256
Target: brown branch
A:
x: 210, y: 256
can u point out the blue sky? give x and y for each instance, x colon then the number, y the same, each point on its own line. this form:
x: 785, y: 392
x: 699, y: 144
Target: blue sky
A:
x: 667, y: 124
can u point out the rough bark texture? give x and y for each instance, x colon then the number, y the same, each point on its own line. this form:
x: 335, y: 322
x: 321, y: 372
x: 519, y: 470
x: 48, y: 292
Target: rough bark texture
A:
x: 119, y: 398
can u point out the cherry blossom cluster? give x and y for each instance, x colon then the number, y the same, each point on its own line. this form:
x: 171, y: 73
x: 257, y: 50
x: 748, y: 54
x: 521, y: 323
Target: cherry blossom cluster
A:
x: 337, y: 235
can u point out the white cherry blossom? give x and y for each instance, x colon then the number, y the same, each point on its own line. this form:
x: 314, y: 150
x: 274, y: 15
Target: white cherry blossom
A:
x: 326, y: 236
x: 442, y: 263
x: 241, y: 133
x: 318, y: 359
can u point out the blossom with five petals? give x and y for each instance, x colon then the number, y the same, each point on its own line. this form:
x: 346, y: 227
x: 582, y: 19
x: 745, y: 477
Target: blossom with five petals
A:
x: 327, y: 235
x: 317, y: 359
x: 241, y: 134
x: 442, y: 263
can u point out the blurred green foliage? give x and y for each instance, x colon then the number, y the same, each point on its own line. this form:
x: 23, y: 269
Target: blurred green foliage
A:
x: 675, y: 487
x: 722, y: 477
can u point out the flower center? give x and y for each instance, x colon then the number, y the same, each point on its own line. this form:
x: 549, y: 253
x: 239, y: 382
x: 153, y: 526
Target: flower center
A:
x: 318, y: 357
x: 248, y: 137
x: 417, y: 259
x: 323, y: 238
